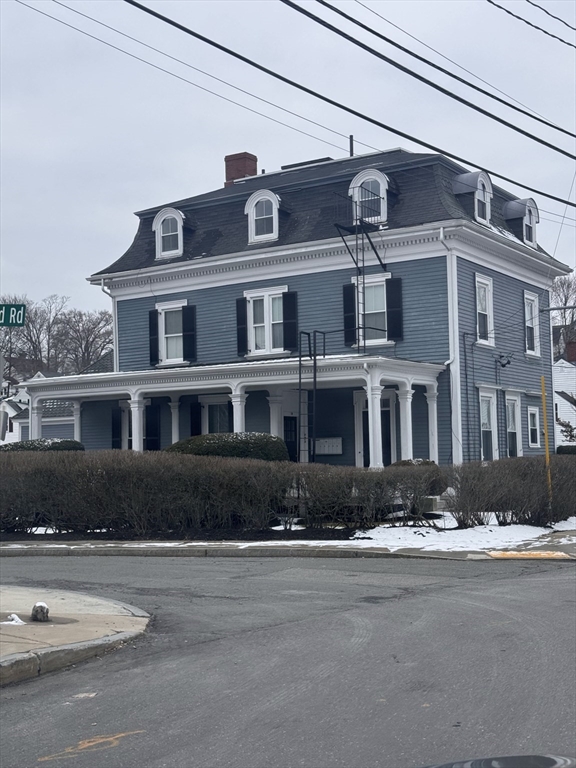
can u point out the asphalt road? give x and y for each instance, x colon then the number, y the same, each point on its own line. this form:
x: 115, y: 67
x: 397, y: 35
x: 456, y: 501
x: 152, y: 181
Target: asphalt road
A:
x: 320, y: 663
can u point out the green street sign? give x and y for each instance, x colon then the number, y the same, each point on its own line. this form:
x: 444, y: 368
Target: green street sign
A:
x: 12, y: 315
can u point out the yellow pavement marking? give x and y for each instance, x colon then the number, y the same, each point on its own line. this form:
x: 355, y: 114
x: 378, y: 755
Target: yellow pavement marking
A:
x: 94, y: 744
x: 525, y: 555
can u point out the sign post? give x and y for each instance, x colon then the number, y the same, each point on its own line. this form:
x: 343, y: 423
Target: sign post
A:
x: 12, y: 315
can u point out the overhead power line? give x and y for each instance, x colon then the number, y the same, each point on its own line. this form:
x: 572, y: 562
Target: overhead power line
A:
x: 422, y: 79
x: 447, y: 58
x: 441, y: 69
x: 551, y: 15
x: 214, y: 77
x: 337, y: 104
x: 535, y: 26
x: 196, y: 85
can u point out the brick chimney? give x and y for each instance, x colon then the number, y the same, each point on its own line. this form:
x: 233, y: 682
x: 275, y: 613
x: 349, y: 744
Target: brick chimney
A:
x: 239, y: 166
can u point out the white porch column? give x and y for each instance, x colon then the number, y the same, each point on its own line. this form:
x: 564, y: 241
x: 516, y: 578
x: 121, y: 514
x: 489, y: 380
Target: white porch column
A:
x: 432, y: 398
x: 238, y: 411
x: 137, y: 407
x: 175, y: 413
x: 276, y: 424
x: 78, y: 421
x: 406, y: 448
x: 374, y: 392
x: 35, y: 429
x: 124, y: 425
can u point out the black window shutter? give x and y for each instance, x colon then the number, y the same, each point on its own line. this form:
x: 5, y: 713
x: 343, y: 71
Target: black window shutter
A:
x: 153, y: 325
x: 290, y: 320
x: 116, y: 428
x: 349, y: 295
x: 394, y: 309
x: 242, y: 326
x: 189, y: 333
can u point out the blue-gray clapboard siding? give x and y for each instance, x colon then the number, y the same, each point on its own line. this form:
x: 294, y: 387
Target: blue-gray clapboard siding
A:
x: 420, y: 437
x: 63, y: 431
x: 319, y: 308
x: 96, y: 424
x: 257, y: 412
x: 479, y: 364
x: 335, y: 418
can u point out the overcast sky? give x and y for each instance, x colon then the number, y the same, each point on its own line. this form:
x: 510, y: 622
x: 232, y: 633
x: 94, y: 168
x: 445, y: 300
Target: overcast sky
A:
x: 90, y: 135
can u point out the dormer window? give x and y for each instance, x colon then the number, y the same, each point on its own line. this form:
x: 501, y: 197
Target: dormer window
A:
x: 368, y: 192
x: 482, y: 198
x: 522, y: 217
x: 531, y: 218
x: 262, y: 211
x: 168, y: 227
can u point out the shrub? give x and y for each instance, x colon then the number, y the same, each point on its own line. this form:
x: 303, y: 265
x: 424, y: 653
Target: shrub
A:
x: 241, y: 445
x: 569, y: 449
x: 44, y: 444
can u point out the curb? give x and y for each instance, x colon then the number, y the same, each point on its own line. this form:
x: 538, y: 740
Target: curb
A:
x: 23, y: 666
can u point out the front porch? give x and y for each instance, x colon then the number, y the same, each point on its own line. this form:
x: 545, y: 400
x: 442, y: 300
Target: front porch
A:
x: 364, y: 411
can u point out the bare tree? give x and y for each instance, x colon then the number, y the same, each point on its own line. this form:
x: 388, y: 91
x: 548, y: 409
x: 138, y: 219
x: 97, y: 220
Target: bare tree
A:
x: 55, y: 339
x: 86, y: 337
x: 563, y: 294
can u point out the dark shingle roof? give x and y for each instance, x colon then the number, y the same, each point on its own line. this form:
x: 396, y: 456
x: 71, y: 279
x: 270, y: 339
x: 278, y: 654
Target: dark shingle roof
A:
x: 104, y: 364
x: 313, y: 199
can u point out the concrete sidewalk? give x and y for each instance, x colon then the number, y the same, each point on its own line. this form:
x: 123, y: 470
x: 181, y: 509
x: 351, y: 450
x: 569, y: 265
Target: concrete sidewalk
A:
x: 80, y: 628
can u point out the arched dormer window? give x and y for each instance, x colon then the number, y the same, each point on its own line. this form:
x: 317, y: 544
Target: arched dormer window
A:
x: 262, y: 211
x: 531, y: 218
x: 168, y: 225
x: 522, y: 217
x: 476, y: 183
x: 369, y: 200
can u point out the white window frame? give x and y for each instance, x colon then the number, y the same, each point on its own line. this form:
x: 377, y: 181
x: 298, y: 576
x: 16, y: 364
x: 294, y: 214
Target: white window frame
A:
x: 250, y: 211
x: 532, y: 298
x: 491, y: 394
x: 162, y: 308
x: 534, y: 410
x: 354, y: 191
x: 267, y: 294
x: 516, y: 400
x: 483, y: 194
x: 531, y: 218
x: 487, y: 283
x: 167, y: 213
x: 367, y: 280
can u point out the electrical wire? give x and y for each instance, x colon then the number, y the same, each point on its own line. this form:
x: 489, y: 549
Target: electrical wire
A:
x: 439, y: 68
x: 520, y: 18
x: 408, y: 71
x: 447, y: 58
x: 218, y: 79
x: 551, y: 14
x: 562, y: 223
x: 333, y: 102
x: 183, y: 79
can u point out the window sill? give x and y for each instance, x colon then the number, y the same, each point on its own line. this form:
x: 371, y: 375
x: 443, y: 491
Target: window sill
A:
x: 171, y: 255
x: 262, y: 239
x: 482, y: 343
x: 173, y: 364
x: 374, y: 343
x: 261, y: 354
x: 532, y: 355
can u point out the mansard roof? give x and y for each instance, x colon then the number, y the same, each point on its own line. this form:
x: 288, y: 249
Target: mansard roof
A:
x: 313, y: 199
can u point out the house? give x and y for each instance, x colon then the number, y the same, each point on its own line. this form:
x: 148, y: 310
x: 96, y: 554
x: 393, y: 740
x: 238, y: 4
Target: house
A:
x: 564, y: 339
x: 366, y: 309
x: 564, y: 377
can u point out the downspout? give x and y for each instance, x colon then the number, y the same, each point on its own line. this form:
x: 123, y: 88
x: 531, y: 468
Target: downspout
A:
x: 114, y: 326
x: 453, y: 362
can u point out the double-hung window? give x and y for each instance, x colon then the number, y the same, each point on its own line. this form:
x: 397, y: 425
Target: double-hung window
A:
x: 484, y: 311
x: 513, y: 430
x: 531, y: 315
x: 263, y: 218
x: 168, y: 226
x: 488, y: 425
x: 534, y: 427
x: 262, y: 211
x: 172, y: 333
x: 373, y: 310
x: 483, y: 198
x: 368, y: 191
x: 267, y: 321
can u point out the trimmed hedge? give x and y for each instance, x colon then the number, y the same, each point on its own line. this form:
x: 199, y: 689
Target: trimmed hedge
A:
x: 44, y: 444
x: 566, y: 449
x: 240, y: 445
x: 142, y: 494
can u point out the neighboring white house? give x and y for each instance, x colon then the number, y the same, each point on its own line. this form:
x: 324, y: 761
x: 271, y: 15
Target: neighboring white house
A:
x: 10, y: 426
x: 564, y: 376
x: 57, y: 417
